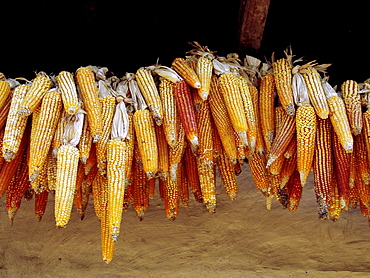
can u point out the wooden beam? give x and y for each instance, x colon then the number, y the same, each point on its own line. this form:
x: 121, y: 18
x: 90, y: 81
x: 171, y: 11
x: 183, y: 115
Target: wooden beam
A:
x: 252, y: 19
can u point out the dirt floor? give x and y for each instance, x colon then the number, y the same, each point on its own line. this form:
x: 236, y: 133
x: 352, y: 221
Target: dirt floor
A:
x: 242, y: 239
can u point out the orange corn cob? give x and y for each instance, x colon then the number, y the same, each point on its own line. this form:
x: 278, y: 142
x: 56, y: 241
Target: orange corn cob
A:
x: 163, y: 149
x: 222, y: 120
x: 15, y: 125
x: 351, y: 97
x: 306, y: 132
x: 89, y: 93
x: 183, y: 184
x: 140, y: 192
x: 323, y: 166
x: 46, y: 125
x: 294, y: 191
x: 340, y: 122
x: 228, y: 86
x: 147, y: 143
x: 361, y: 156
x: 192, y: 174
x: 342, y: 171
x: 228, y: 176
x: 266, y: 107
x: 17, y: 188
x: 4, y: 112
x: 84, y: 146
x: 292, y: 148
x: 171, y: 198
x: 68, y: 91
x: 9, y: 168
x: 283, y: 80
x: 282, y: 139
x: 2, y: 159
x: 40, y: 85
x: 363, y: 190
x: 276, y: 166
x: 40, y: 204
x: 185, y: 108
x: 170, y: 114
x: 260, y: 144
x: 257, y: 164
x: 176, y: 153
x: 185, y: 71
x: 130, y: 146
x: 289, y: 166
x: 150, y: 93
x: 4, y: 93
x: 334, y: 208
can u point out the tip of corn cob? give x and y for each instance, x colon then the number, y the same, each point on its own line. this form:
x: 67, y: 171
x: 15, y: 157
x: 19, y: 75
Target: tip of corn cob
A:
x: 293, y: 205
x: 356, y: 130
x: 140, y: 214
x: 232, y: 195
x: 71, y: 111
x: 348, y: 146
x: 290, y: 110
x: 303, y: 177
x: 269, y: 199
x: 284, y: 181
x: 211, y: 208
x: 271, y: 159
x: 243, y: 138
x: 8, y: 155
x: 197, y: 85
x: 203, y: 95
x: 11, y: 215
x: 34, y: 176
x: 24, y: 112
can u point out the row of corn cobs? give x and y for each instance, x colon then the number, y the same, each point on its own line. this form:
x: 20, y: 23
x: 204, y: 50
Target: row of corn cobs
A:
x: 92, y: 133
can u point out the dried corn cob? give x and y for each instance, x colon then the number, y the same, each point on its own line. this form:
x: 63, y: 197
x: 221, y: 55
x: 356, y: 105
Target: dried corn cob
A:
x: 183, y: 184
x: 39, y: 86
x: 139, y: 186
x: 89, y: 93
x: 40, y: 204
x: 4, y: 93
x: 351, y: 97
x: 185, y: 108
x: 176, y: 153
x: 149, y: 90
x: 4, y: 112
x: 15, y: 125
x: 289, y: 166
x: 163, y: 149
x: 46, y: 125
x: 361, y: 156
x: 192, y: 173
x: 170, y: 115
x: 185, y: 71
x: 204, y: 72
x: 334, y: 208
x: 260, y: 144
x: 68, y: 91
x: 84, y: 146
x: 294, y: 191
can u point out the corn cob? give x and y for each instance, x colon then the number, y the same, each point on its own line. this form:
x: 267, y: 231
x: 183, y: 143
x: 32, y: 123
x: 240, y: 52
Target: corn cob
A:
x: 289, y: 166
x: 116, y: 164
x: 89, y: 93
x: 228, y: 176
x: 40, y: 184
x: 204, y: 72
x: 40, y: 204
x: 171, y: 198
x: 48, y: 118
x: 334, y: 208
x: 17, y: 187
x: 361, y: 156
x: 68, y: 91
x: 283, y: 79
x: 323, y: 166
x: 40, y: 85
x: 145, y: 134
x: 2, y: 159
x: 15, y: 125
x: 266, y: 107
x: 51, y: 169
x: 260, y: 143
x: 4, y: 112
x: 228, y: 86
x: 316, y: 92
x: 140, y: 192
x: 276, y: 166
x: 257, y: 164
x: 192, y: 173
x: 183, y: 184
x: 176, y: 153
x: 351, y: 97
x: 84, y: 146
x: 306, y: 132
x: 130, y: 143
x: 9, y: 169
x: 163, y: 149
x: 149, y: 90
x: 341, y: 170
x: 363, y: 190
x: 185, y: 108
x: 249, y: 111
x: 4, y: 93
x: 222, y: 120
x: 108, y: 104
x: 78, y: 195
x: 170, y: 114
x: 185, y: 71
x: 294, y: 191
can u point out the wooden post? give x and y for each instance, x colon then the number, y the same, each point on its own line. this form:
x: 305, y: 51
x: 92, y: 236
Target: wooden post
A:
x: 252, y: 19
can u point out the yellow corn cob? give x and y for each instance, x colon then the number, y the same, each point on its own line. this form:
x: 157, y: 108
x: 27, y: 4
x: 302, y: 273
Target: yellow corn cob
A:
x: 204, y: 72
x: 192, y: 174
x: 59, y: 132
x: 334, y: 207
x: 183, y: 184
x: 68, y: 90
x: 48, y: 118
x: 130, y: 145
x: 176, y: 153
x: 150, y: 93
x: 339, y: 120
x: 185, y: 71
x: 108, y: 105
x: 67, y: 165
x: 40, y: 85
x: 15, y: 125
x: 228, y: 176
x: 260, y: 143
x: 222, y: 120
x: 234, y: 103
x: 266, y: 108
x: 306, y: 133
x: 40, y: 184
x: 316, y: 92
x: 116, y: 164
x: 145, y: 134
x: 351, y: 97
x: 89, y: 93
x: 283, y: 80
x: 361, y: 156
x: 170, y: 115
x: 84, y: 146
x: 2, y: 76
x: 4, y: 93
x: 249, y: 112
x: 51, y: 165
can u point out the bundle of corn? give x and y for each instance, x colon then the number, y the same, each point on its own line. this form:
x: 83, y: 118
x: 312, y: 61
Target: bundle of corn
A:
x: 92, y: 133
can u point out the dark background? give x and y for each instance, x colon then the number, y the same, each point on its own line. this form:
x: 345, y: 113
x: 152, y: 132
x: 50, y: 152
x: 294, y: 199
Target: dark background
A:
x: 123, y: 35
